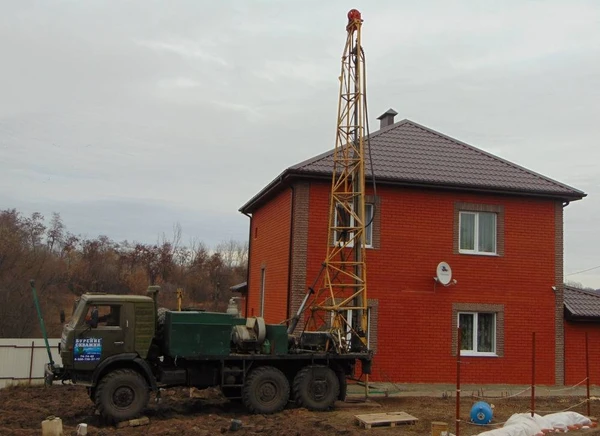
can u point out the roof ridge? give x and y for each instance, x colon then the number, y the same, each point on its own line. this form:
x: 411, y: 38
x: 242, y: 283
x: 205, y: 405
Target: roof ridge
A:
x: 390, y: 127
x: 367, y: 138
x: 497, y: 158
x: 583, y: 291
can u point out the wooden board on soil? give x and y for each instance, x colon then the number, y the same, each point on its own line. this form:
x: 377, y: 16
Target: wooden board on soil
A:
x: 389, y: 419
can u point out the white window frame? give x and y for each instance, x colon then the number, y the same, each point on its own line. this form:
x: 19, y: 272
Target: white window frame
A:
x: 476, y: 233
x: 369, y: 219
x: 474, y: 351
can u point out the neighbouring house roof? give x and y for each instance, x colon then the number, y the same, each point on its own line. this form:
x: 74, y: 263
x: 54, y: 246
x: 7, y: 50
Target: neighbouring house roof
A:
x: 409, y: 154
x: 582, y: 304
x: 240, y: 287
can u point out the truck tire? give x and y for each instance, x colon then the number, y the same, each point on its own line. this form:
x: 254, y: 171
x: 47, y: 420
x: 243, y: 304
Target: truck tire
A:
x: 122, y: 395
x: 316, y: 387
x: 267, y: 390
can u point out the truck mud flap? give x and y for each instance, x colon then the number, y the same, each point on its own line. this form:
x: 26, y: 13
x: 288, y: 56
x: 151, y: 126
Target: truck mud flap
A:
x: 366, y: 365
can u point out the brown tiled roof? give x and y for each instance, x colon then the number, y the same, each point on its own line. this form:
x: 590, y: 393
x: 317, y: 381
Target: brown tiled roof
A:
x: 581, y: 303
x: 410, y: 154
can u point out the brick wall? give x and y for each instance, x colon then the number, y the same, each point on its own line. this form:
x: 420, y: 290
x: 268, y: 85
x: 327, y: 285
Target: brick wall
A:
x: 575, y: 352
x: 270, y: 245
x: 415, y: 317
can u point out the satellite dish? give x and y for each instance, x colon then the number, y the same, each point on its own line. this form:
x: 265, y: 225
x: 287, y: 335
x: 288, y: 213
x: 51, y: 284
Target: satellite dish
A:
x: 443, y: 273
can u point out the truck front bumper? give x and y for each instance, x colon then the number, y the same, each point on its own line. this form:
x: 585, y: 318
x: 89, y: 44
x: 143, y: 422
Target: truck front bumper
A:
x: 53, y: 372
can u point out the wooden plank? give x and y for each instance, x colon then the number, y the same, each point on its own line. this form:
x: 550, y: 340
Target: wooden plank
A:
x: 385, y: 419
x: 134, y: 422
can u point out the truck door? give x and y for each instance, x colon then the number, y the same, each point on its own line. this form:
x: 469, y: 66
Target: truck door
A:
x: 99, y: 335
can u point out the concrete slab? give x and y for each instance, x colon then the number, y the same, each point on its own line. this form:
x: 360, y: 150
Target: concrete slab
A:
x: 384, y: 389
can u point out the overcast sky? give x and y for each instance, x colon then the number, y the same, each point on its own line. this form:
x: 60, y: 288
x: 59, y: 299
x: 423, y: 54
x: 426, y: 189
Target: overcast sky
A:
x: 129, y: 116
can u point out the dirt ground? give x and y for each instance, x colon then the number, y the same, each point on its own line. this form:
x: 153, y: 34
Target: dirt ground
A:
x: 22, y: 410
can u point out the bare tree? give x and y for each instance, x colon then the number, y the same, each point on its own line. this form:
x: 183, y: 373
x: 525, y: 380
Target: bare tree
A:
x: 65, y: 265
x: 56, y: 233
x: 233, y: 253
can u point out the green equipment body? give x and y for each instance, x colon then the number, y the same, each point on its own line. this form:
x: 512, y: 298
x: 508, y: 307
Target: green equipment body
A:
x: 195, y: 335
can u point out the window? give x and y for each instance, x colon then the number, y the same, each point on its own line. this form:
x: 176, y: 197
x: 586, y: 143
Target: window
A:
x: 344, y: 219
x: 478, y: 333
x: 341, y: 221
x: 103, y: 316
x: 477, y: 232
x: 348, y: 314
x: 369, y: 224
x: 490, y: 313
x: 478, y: 229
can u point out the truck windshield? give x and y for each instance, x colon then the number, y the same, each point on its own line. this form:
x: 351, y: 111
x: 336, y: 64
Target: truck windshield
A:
x: 77, y: 313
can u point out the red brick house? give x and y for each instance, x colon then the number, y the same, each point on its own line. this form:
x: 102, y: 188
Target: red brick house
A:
x: 498, y: 225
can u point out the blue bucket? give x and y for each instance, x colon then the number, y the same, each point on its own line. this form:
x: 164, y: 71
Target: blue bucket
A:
x: 481, y: 413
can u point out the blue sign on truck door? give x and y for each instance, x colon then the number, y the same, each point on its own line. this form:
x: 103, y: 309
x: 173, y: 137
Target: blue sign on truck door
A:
x: 87, y: 350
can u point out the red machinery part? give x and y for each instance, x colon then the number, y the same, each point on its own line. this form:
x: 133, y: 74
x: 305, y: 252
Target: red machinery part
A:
x: 354, y: 14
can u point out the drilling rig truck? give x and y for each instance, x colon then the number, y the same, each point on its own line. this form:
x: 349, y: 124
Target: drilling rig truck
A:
x: 122, y: 347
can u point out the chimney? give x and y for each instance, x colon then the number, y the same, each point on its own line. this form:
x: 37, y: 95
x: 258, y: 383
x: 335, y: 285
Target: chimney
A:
x: 387, y: 118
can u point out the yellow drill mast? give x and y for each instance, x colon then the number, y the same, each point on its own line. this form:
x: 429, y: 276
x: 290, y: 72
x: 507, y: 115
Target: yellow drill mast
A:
x: 343, y: 294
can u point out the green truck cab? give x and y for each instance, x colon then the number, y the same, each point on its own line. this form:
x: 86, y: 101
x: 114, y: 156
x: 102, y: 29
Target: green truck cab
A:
x: 123, y: 348
x: 105, y: 326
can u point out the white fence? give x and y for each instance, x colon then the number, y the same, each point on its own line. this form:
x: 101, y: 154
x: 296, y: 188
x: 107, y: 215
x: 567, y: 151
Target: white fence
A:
x: 23, y: 360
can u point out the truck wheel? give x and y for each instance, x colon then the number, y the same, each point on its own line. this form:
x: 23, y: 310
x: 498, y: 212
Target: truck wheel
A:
x: 316, y: 387
x: 266, y: 390
x: 122, y: 395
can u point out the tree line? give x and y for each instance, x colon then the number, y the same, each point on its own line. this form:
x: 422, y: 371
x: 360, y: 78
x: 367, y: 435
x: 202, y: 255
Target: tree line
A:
x: 65, y: 265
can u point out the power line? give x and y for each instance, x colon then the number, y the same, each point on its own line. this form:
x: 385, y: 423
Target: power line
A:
x: 582, y: 271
